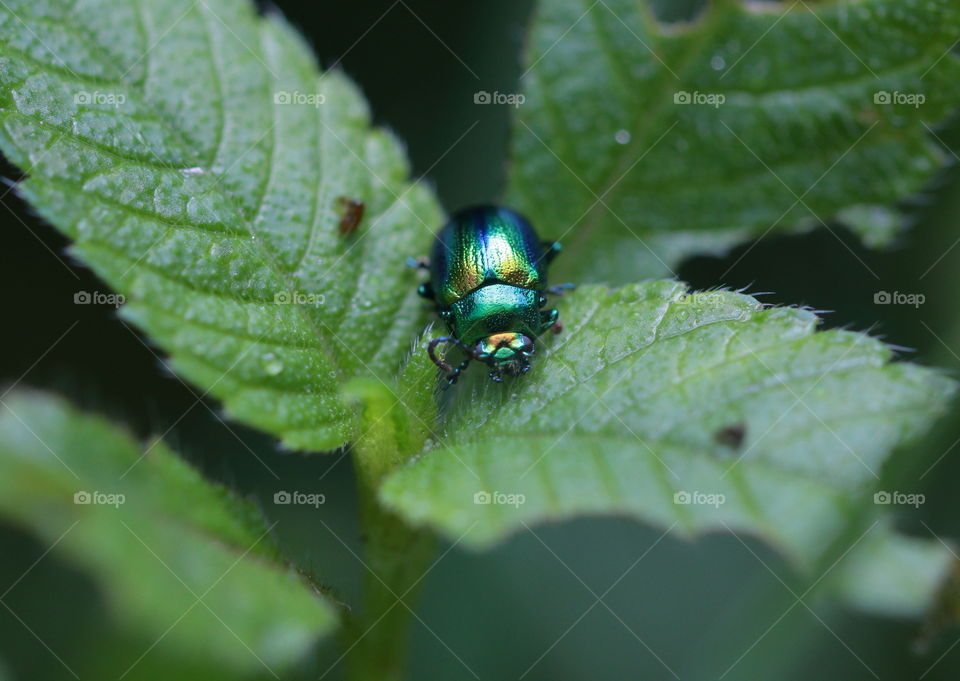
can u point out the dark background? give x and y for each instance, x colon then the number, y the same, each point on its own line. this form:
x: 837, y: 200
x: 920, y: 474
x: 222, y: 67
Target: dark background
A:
x: 698, y: 605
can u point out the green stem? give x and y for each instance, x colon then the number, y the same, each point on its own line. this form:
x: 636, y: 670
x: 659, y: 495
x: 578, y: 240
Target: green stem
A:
x: 376, y: 634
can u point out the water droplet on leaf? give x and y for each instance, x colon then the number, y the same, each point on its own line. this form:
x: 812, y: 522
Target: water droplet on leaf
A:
x: 271, y: 364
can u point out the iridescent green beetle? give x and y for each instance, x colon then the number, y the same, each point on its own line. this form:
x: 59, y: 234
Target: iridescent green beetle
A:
x: 488, y: 278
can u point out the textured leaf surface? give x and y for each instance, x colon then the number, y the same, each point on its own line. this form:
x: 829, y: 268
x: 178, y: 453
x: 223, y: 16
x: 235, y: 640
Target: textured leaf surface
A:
x: 196, y: 157
x: 180, y: 559
x: 651, y: 398
x: 609, y: 158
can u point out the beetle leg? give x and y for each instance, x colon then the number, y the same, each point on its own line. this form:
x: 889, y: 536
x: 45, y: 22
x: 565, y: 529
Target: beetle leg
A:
x: 561, y: 289
x: 452, y: 374
x: 426, y: 291
x: 455, y: 374
x: 557, y: 327
x: 431, y: 352
x: 551, y: 249
x: 548, y: 319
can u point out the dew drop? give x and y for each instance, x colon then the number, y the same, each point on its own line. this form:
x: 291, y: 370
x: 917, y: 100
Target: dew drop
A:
x: 271, y: 364
x: 622, y: 136
x: 718, y: 63
x: 196, y: 170
x: 85, y: 228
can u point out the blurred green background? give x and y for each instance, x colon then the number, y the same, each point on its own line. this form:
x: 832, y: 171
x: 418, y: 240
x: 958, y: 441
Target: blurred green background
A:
x: 520, y: 610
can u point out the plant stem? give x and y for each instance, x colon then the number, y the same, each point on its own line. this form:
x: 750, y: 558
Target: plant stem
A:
x: 379, y: 633
x: 396, y: 555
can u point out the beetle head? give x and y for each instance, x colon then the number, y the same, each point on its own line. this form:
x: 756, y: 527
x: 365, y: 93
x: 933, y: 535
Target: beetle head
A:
x: 505, y: 353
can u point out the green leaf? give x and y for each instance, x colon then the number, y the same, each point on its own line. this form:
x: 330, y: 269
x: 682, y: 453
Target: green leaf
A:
x: 196, y: 157
x: 178, y: 558
x: 898, y: 576
x: 608, y: 158
x: 652, y: 397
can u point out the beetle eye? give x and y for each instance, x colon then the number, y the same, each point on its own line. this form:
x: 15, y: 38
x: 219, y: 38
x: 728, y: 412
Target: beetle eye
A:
x: 525, y: 347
